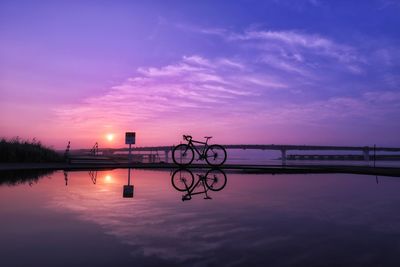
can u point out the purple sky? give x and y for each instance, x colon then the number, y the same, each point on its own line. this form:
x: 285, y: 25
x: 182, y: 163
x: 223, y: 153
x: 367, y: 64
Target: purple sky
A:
x: 289, y: 72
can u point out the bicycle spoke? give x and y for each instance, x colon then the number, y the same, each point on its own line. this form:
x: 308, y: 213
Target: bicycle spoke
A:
x: 182, y: 180
x: 216, y: 179
x: 182, y: 154
x: 215, y: 155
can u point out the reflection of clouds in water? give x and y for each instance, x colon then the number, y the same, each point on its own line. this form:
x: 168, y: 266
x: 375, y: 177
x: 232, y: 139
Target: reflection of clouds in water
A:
x: 153, y: 227
x: 343, y: 199
x: 252, y: 222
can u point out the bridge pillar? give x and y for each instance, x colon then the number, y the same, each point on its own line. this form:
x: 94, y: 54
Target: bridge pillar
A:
x: 283, y: 152
x: 166, y: 156
x: 366, y: 155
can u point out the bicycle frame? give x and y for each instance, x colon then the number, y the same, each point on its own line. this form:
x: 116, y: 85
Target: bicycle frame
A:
x: 201, y: 154
x: 190, y: 192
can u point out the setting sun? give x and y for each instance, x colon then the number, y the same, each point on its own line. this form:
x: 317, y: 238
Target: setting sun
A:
x: 110, y: 137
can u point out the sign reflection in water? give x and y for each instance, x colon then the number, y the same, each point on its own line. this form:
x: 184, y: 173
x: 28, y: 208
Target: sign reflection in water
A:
x: 128, y: 189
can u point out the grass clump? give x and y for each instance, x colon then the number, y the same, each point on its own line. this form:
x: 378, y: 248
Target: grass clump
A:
x: 17, y: 150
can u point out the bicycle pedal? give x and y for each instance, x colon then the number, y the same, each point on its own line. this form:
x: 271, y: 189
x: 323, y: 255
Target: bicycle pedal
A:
x: 186, y: 198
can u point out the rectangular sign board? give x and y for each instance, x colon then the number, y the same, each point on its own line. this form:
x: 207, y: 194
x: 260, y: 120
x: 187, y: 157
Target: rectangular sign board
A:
x: 128, y: 191
x: 130, y: 138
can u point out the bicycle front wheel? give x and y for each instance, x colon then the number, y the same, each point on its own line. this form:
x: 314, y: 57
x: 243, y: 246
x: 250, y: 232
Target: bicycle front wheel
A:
x: 216, y: 179
x: 215, y: 155
x: 182, y: 180
x: 182, y: 155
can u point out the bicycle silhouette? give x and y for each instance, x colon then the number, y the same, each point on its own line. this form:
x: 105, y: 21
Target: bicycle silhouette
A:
x: 183, y: 180
x: 183, y: 154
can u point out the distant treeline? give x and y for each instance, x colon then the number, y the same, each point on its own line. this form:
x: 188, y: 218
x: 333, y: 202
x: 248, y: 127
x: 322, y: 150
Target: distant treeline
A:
x: 17, y: 150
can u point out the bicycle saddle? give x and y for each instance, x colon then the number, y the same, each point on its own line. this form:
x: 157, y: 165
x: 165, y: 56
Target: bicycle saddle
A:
x: 207, y: 137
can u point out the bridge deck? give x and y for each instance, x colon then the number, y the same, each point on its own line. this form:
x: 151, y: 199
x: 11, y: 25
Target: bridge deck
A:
x: 252, y: 147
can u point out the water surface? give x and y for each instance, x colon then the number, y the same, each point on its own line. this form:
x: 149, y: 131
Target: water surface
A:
x: 73, y: 218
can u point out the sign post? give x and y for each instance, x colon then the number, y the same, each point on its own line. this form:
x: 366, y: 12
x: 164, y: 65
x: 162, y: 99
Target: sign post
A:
x: 128, y: 189
x: 129, y: 140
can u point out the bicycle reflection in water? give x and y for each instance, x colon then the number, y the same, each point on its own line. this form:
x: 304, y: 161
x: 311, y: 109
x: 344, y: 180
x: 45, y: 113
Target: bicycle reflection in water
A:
x: 183, y: 181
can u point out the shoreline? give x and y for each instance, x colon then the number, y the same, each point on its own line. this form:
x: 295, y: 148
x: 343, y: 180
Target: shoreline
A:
x: 242, y: 168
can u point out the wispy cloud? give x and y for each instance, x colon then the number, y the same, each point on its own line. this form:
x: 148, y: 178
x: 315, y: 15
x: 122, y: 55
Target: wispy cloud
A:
x: 389, y: 4
x: 371, y: 110
x: 291, y: 50
x: 296, y: 41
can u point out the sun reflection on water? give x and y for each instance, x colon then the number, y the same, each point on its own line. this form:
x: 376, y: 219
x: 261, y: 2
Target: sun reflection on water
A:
x: 108, y: 179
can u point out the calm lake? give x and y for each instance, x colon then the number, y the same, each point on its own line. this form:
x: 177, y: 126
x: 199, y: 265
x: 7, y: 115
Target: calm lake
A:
x: 81, y: 218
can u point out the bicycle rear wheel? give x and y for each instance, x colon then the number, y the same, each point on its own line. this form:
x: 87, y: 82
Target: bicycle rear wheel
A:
x: 182, y: 180
x: 215, y: 155
x: 182, y: 155
x: 216, y: 179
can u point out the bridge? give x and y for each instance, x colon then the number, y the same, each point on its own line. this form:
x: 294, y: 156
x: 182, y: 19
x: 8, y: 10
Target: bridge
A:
x: 364, y: 150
